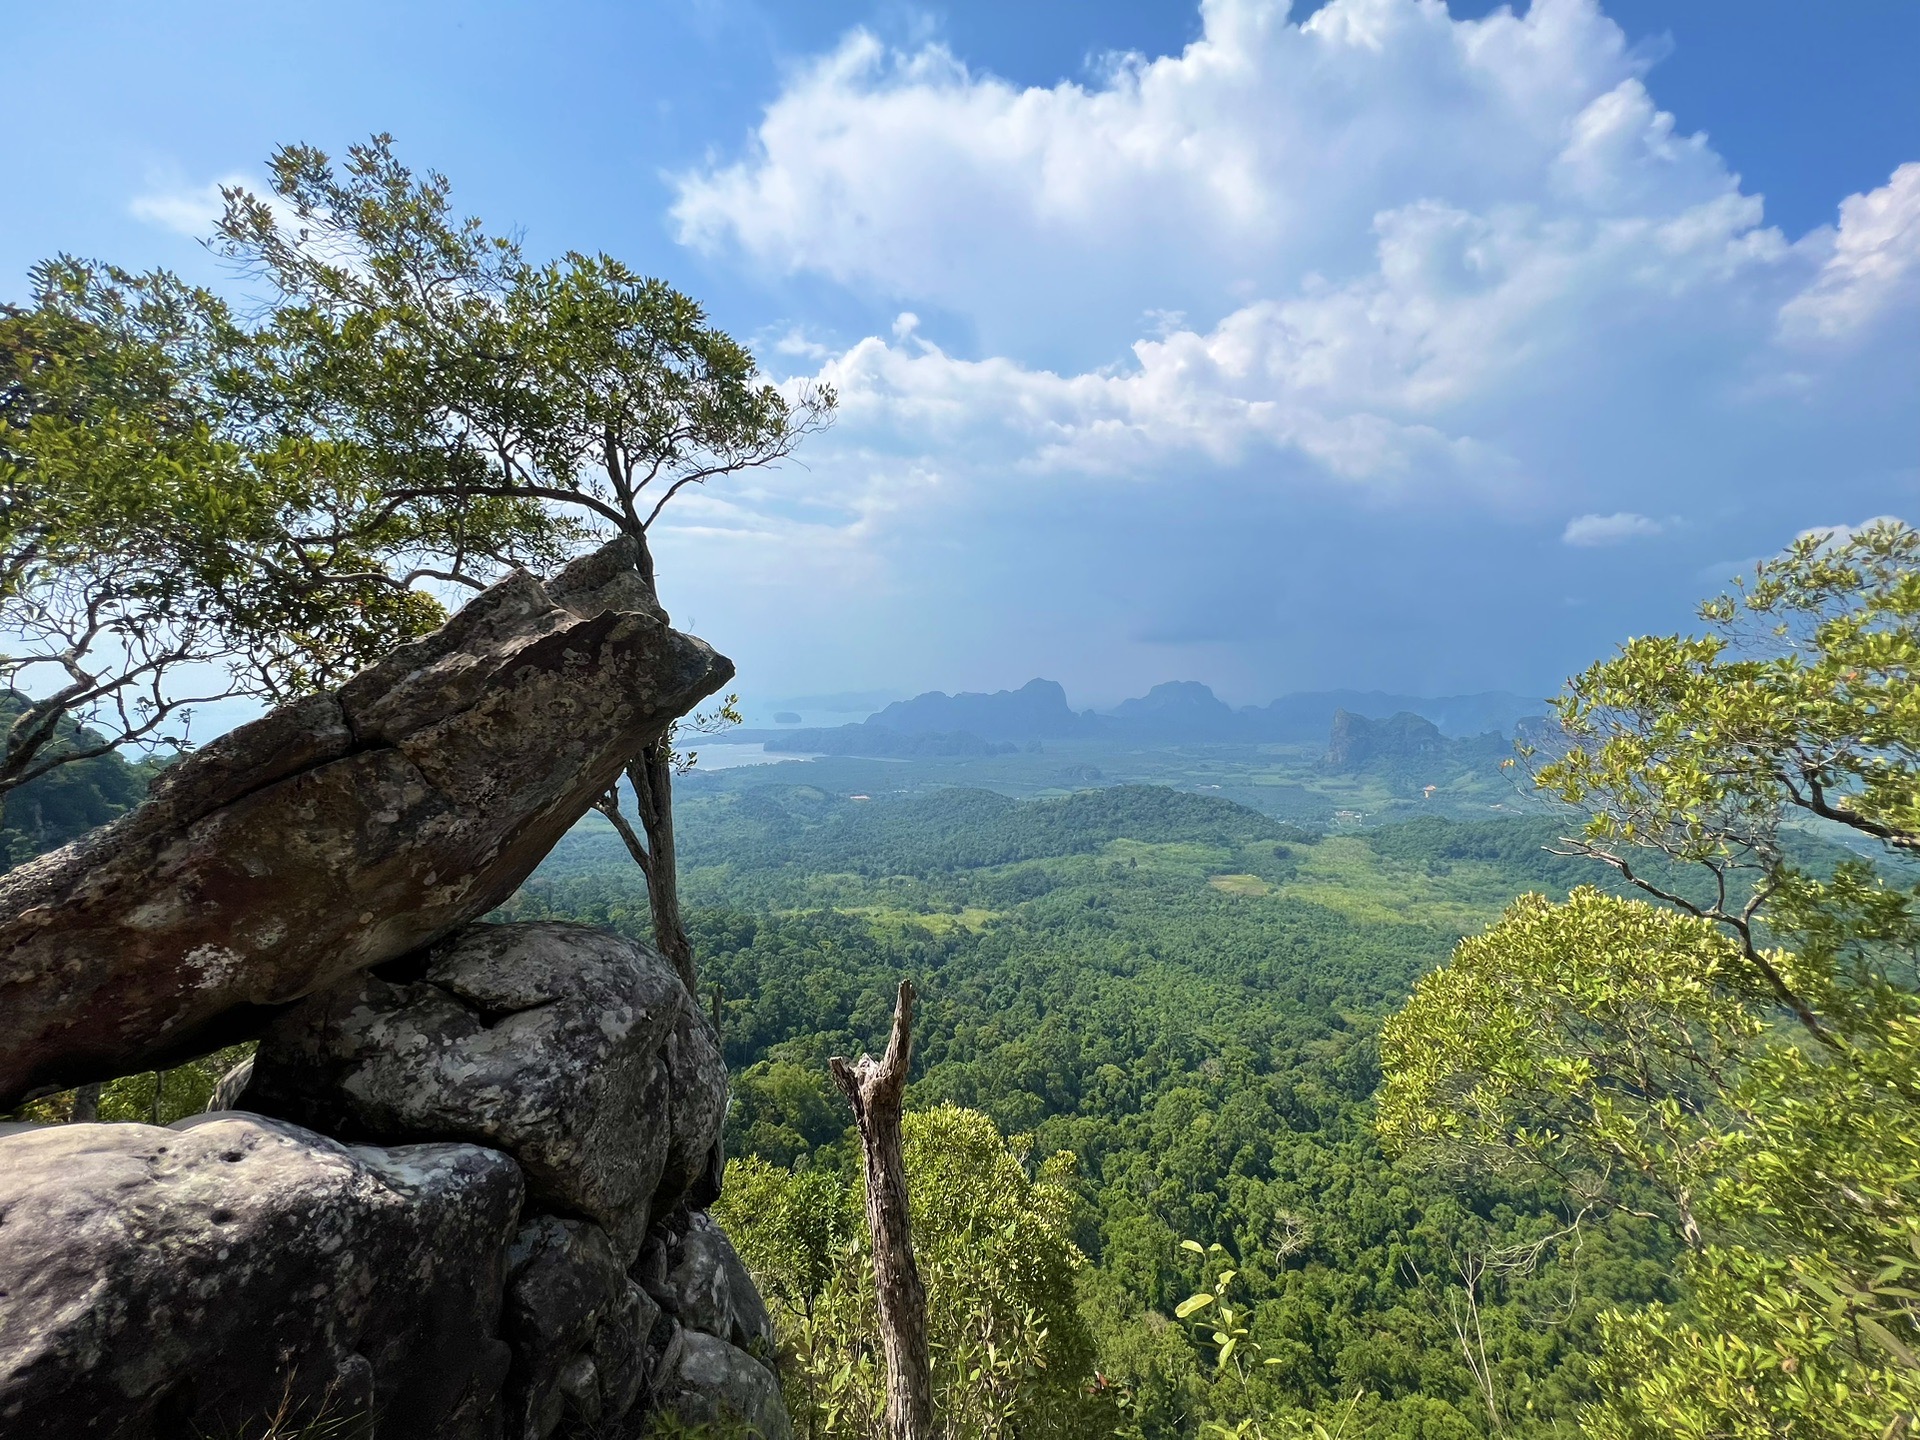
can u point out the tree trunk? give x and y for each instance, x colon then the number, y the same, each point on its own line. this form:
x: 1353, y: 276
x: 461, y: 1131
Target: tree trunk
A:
x: 86, y: 1104
x: 876, y: 1090
x: 652, y: 777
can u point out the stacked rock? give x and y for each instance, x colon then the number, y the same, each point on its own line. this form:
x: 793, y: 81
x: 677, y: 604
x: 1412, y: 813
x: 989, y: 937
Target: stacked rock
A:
x: 581, y: 1055
x: 458, y: 1193
x: 460, y: 1196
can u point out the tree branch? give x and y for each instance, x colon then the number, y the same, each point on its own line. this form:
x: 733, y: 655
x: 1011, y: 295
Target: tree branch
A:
x: 1740, y: 925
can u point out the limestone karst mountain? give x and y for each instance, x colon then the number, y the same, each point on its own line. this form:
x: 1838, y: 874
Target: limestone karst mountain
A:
x: 1177, y: 712
x: 1037, y: 710
x: 1354, y: 740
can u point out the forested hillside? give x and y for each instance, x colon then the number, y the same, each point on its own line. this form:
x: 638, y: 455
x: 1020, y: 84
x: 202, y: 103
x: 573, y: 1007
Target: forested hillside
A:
x: 1184, y: 994
x: 69, y: 799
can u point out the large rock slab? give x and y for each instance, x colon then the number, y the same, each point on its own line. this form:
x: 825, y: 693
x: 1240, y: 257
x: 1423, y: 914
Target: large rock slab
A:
x: 339, y: 832
x: 576, y: 1051
x: 157, y: 1283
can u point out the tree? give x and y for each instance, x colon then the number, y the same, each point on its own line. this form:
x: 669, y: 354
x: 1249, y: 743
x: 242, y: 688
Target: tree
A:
x: 1010, y: 1352
x: 114, y: 495
x: 877, y: 1091
x: 1595, y: 1040
x: 461, y: 377
x: 1746, y: 1048
x: 159, y: 548
x: 1801, y: 706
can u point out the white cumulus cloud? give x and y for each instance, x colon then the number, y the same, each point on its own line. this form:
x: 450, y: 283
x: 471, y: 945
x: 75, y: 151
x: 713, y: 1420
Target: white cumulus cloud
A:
x: 1590, y: 531
x: 1253, y: 158
x: 1386, y: 248
x: 186, y: 209
x: 1873, y: 267
x: 1836, y: 535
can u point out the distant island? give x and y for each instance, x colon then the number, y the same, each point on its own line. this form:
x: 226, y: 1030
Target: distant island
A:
x: 1179, y: 711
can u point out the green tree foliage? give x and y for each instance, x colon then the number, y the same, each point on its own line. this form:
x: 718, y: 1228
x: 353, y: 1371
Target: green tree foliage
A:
x: 993, y: 1239
x: 781, y: 1110
x: 118, y: 506
x: 1802, y: 704
x: 199, y: 499
x: 462, y: 377
x: 1601, y: 1038
x: 1745, y: 1049
x: 162, y: 542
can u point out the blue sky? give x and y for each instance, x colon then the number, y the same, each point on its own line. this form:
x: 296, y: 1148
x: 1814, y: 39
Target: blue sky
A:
x: 1372, y: 344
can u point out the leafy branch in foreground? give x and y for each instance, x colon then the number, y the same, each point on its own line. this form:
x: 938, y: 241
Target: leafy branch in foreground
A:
x: 1215, y: 1314
x: 1750, y: 1058
x: 1801, y: 702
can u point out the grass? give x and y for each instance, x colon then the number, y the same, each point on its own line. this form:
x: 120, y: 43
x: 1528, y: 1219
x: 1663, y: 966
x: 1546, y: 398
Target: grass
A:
x: 1347, y: 875
x: 941, y: 922
x: 1250, y: 885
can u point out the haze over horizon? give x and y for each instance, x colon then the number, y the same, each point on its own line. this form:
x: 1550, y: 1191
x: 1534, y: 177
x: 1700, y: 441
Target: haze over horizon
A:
x: 852, y: 707
x: 1372, y: 345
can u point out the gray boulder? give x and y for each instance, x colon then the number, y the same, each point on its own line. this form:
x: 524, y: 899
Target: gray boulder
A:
x: 579, y: 1329
x: 165, y: 1282
x: 698, y: 1278
x: 712, y: 1383
x: 339, y: 832
x: 576, y: 1051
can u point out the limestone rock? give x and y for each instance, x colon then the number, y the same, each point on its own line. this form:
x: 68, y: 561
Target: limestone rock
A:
x: 339, y: 832
x: 1355, y: 741
x: 576, y: 1051
x: 165, y: 1282
x: 579, y: 1330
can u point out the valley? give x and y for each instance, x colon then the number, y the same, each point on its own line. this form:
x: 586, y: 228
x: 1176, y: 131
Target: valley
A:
x: 1174, y: 971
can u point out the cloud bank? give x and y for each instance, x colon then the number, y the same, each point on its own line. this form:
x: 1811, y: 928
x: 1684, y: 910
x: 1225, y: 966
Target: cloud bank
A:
x: 1375, y: 301
x: 1278, y: 362
x: 1464, y: 274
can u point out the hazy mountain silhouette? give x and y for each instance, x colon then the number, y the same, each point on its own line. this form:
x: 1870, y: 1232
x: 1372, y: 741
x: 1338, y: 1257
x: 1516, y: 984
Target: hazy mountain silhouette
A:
x: 1174, y: 712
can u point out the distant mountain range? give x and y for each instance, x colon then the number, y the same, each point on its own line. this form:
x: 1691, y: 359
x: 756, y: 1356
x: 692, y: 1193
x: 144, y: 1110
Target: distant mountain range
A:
x: 1180, y: 710
x: 1038, y: 710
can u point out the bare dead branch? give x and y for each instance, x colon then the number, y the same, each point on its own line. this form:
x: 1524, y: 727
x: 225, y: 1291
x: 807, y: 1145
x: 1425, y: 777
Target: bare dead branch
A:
x: 877, y: 1091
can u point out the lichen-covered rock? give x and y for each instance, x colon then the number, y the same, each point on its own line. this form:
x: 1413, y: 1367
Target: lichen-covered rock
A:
x: 339, y: 832
x: 709, y: 1382
x: 698, y: 1278
x: 576, y: 1051
x: 157, y: 1283
x: 579, y: 1330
